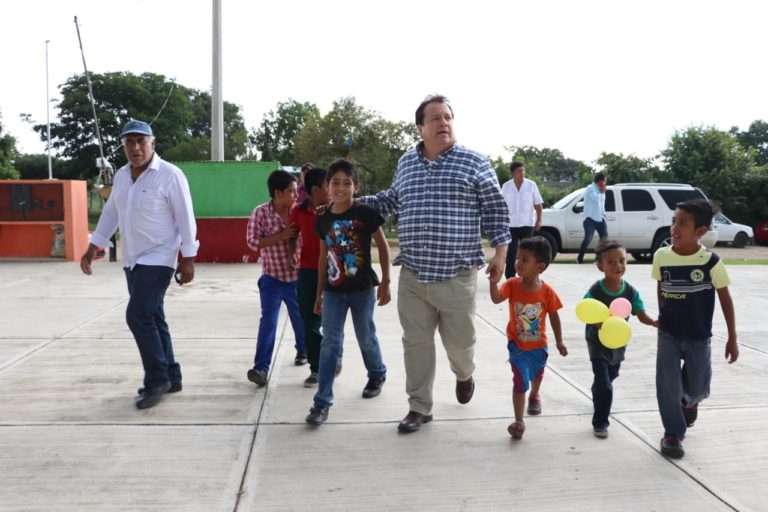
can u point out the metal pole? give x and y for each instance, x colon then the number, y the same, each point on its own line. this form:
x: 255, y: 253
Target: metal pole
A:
x: 102, y: 161
x: 48, y: 112
x: 217, y: 103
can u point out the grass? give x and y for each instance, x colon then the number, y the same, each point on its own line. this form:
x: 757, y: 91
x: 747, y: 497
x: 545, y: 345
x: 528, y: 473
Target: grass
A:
x: 94, y: 210
x: 758, y: 261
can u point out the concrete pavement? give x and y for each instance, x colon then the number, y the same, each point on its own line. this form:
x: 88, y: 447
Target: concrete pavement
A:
x: 71, y: 439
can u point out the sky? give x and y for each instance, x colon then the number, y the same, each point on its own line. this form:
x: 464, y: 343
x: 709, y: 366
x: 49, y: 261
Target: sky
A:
x: 581, y: 76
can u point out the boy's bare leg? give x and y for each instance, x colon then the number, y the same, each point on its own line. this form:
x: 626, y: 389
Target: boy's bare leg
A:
x: 518, y: 402
x: 535, y: 386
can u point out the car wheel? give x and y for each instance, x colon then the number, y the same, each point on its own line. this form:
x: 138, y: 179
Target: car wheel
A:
x: 642, y: 257
x: 552, y: 243
x: 740, y: 240
x: 663, y: 239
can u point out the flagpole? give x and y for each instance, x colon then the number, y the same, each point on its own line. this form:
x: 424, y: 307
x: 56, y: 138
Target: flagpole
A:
x: 48, y: 112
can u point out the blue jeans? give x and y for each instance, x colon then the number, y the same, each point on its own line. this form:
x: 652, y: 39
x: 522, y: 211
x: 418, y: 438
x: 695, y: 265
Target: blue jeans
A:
x: 590, y: 226
x: 602, y: 390
x: 676, y: 386
x: 335, y: 307
x: 146, y: 320
x: 272, y: 293
x: 517, y: 234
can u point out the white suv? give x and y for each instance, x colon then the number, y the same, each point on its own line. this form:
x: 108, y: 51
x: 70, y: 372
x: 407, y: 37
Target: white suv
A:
x: 638, y: 215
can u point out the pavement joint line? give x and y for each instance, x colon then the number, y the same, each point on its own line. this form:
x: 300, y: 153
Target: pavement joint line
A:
x: 618, y: 416
x: 11, y: 284
x: 175, y: 338
x: 257, y: 420
x: 682, y: 466
x: 24, y: 355
x: 752, y: 347
x: 126, y: 424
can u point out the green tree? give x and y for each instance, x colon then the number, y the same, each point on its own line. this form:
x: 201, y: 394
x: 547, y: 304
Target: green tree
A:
x: 352, y: 131
x: 274, y: 138
x: 121, y: 96
x: 7, y: 155
x: 503, y: 173
x: 550, y: 164
x: 714, y: 161
x: 192, y: 150
x: 628, y: 169
x: 235, y: 133
x: 755, y: 138
x: 549, y: 194
x: 35, y: 166
x: 756, y: 208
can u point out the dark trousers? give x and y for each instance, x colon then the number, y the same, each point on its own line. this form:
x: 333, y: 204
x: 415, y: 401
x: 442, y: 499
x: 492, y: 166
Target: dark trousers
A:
x: 590, y: 226
x: 517, y: 234
x: 307, y: 292
x: 602, y: 390
x: 146, y: 320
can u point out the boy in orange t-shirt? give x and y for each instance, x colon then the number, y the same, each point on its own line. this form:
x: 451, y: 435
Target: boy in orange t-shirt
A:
x: 531, y: 300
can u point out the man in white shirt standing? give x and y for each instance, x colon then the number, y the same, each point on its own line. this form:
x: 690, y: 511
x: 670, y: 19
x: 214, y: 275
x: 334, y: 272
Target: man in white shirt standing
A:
x: 524, y: 205
x: 151, y: 205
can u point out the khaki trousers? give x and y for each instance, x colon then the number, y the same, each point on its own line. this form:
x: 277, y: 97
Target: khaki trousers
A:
x: 449, y: 307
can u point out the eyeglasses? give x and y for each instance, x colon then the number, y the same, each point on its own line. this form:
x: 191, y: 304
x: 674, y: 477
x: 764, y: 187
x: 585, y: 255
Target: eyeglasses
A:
x: 138, y: 141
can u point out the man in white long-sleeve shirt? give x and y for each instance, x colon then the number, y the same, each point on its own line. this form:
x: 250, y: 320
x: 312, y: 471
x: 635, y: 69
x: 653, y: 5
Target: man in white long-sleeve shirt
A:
x: 151, y: 205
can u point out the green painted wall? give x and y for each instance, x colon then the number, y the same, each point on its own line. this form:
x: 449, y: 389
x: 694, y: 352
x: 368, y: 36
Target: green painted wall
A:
x: 227, y: 189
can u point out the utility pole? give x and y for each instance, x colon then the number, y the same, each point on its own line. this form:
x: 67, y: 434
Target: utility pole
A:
x: 48, y: 112
x: 217, y: 102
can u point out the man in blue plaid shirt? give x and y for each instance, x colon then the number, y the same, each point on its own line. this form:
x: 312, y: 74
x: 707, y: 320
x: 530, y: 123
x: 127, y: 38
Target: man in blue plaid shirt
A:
x: 444, y: 194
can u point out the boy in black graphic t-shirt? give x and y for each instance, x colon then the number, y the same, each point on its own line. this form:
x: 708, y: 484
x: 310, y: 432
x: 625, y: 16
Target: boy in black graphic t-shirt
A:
x: 346, y: 282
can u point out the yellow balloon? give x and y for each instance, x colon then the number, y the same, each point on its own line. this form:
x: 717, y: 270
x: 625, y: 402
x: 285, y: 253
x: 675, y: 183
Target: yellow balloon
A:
x: 592, y: 311
x: 615, y: 332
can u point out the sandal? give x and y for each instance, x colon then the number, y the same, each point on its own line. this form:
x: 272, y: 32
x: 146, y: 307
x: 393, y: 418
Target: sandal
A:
x: 516, y: 429
x: 534, y: 405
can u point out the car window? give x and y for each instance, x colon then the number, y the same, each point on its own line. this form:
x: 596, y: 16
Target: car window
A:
x: 610, y: 202
x: 673, y: 196
x: 562, y: 203
x: 637, y: 201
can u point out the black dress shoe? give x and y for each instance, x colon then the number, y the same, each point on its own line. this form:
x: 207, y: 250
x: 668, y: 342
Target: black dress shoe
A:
x: 152, y: 396
x: 373, y: 388
x: 175, y: 388
x: 413, y: 421
x: 465, y: 390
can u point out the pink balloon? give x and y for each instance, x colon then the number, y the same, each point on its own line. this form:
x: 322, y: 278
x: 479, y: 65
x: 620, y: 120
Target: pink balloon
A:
x: 620, y: 307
